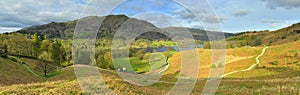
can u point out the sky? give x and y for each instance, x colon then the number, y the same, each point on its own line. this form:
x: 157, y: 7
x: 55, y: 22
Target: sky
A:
x: 217, y: 15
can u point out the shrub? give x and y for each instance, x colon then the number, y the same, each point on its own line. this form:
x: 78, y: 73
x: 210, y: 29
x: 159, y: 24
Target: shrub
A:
x: 220, y: 65
x: 274, y: 63
x: 213, y: 66
x: 296, y: 54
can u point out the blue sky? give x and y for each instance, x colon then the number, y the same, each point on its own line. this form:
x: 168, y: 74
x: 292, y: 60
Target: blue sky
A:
x: 232, y: 15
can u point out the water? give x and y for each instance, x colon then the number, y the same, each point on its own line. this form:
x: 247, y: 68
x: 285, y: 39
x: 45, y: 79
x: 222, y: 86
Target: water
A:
x: 163, y: 49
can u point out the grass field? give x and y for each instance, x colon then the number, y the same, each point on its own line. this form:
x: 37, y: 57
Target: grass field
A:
x: 156, y: 60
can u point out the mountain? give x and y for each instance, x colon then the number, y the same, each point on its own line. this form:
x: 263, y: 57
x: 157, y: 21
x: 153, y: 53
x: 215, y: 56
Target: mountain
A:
x: 266, y: 37
x: 108, y: 28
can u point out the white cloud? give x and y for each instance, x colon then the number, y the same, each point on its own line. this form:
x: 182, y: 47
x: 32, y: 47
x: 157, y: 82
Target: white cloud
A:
x: 5, y: 29
x: 135, y: 8
x: 278, y: 24
x: 287, y: 4
x: 159, y: 19
x: 269, y: 21
x: 24, y: 13
x: 283, y: 23
x: 241, y: 12
x: 204, y: 16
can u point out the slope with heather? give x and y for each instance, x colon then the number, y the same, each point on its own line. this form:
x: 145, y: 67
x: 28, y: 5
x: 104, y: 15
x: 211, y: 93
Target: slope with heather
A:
x: 266, y: 37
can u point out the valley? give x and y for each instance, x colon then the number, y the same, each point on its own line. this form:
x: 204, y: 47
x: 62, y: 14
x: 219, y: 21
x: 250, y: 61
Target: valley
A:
x: 40, y: 60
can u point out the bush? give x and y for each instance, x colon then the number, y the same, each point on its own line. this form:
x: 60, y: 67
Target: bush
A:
x: 213, y: 66
x: 296, y: 54
x: 220, y: 65
x: 296, y: 62
x: 274, y: 63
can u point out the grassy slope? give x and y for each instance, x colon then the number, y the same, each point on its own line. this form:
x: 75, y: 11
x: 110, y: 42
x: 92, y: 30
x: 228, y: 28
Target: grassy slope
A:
x: 227, y: 86
x: 277, y: 37
x: 236, y: 59
x: 279, y: 61
x: 286, y: 57
x: 65, y: 84
x: 15, y: 73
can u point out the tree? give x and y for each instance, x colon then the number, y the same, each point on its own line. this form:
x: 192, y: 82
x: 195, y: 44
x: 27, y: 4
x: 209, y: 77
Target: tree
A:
x: 45, y: 44
x: 101, y: 62
x: 105, y: 61
x: 58, y: 42
x: 36, y: 43
x: 66, y: 50
x: 140, y: 53
x: 46, y: 58
x: 57, y: 50
x: 207, y: 45
x: 5, y: 51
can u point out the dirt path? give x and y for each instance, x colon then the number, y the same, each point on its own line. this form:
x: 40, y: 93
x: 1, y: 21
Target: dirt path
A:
x: 27, y: 67
x: 251, y: 67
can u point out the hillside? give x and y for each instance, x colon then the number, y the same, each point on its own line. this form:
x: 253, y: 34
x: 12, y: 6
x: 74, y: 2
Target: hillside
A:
x: 108, y: 28
x: 278, y: 61
x: 266, y: 37
x: 14, y: 73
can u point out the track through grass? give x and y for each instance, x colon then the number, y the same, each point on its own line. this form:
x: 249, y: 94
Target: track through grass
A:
x: 251, y: 67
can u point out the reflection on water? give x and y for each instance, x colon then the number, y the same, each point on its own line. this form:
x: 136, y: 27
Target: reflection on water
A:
x: 163, y: 49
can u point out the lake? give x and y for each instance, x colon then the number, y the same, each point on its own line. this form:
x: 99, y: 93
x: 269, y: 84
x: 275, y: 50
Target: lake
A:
x: 163, y: 49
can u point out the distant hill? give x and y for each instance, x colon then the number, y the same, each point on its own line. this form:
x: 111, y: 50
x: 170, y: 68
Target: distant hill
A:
x: 200, y: 34
x: 109, y: 27
x: 266, y: 37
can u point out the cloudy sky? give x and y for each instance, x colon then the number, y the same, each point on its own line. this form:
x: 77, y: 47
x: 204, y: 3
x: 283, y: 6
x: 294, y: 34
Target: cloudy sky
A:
x: 225, y: 15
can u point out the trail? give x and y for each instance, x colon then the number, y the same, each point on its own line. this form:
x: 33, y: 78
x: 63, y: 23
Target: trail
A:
x: 251, y: 67
x: 35, y: 74
x: 28, y: 68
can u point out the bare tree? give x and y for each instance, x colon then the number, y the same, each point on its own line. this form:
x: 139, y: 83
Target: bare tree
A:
x: 45, y: 65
